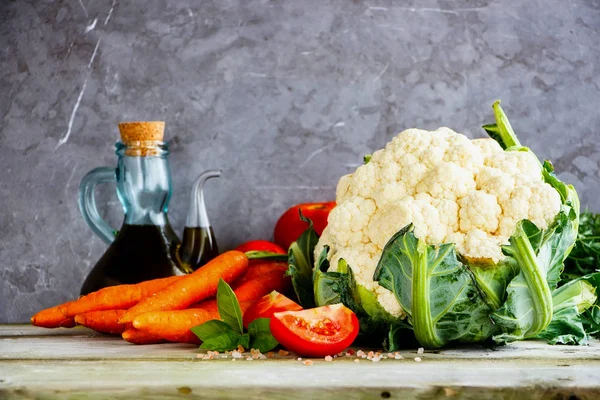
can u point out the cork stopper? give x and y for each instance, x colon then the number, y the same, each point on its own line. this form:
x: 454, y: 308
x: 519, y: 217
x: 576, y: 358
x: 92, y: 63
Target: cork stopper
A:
x: 142, y: 131
x: 142, y: 138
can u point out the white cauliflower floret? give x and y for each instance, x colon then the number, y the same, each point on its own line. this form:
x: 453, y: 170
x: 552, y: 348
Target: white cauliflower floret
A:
x: 479, y: 245
x: 452, y: 189
x: 521, y: 165
x: 343, y: 187
x: 447, y: 181
x: 544, y: 201
x: 479, y: 210
x: 463, y: 153
x: 488, y: 147
x: 388, y: 221
x: 496, y: 182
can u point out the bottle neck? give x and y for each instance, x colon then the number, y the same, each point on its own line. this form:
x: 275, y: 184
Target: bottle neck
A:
x: 144, y: 183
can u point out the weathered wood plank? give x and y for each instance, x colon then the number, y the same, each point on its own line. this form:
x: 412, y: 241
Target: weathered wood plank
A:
x: 22, y: 343
x: 78, y: 363
x: 291, y: 379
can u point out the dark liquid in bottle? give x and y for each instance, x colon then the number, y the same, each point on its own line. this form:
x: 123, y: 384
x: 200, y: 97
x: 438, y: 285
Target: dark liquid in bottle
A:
x: 199, y: 247
x: 139, y: 253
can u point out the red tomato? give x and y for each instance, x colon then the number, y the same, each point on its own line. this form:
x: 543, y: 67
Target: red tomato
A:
x: 316, y: 332
x: 267, y: 305
x: 260, y: 245
x: 289, y: 227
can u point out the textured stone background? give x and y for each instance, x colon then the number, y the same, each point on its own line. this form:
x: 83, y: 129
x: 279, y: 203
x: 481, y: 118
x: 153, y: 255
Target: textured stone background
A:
x: 284, y: 96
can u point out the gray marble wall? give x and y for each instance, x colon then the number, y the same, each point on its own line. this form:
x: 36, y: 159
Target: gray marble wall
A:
x: 284, y: 96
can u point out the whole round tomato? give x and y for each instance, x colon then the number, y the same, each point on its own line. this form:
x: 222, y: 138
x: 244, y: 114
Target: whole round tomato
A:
x: 260, y: 245
x: 316, y: 332
x: 289, y: 227
x: 268, y: 305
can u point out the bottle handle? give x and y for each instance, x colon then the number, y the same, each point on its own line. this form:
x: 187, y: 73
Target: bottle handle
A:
x: 87, y: 201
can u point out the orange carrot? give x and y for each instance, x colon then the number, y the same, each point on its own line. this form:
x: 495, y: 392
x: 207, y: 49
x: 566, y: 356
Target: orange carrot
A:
x: 258, y: 268
x: 194, y: 287
x: 134, y: 336
x: 105, y: 321
x: 254, y: 289
x: 175, y: 326
x: 262, y: 285
x: 53, y: 317
x: 109, y: 298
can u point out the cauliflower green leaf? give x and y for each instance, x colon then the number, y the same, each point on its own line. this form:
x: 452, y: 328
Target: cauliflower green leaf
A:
x: 435, y: 289
x: 300, y: 264
x: 569, y: 302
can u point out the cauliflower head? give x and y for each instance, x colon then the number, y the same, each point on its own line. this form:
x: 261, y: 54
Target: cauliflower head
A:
x: 470, y: 193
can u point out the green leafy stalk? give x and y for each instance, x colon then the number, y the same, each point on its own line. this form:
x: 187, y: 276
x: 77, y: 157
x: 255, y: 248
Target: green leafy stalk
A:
x: 423, y: 321
x: 502, y: 131
x: 585, y: 257
x: 591, y: 317
x: 300, y: 264
x: 528, y: 307
x: 535, y: 277
x: 266, y: 255
x: 570, y: 301
x: 435, y: 289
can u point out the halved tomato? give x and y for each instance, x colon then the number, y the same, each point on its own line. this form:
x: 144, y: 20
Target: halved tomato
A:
x: 260, y: 245
x: 268, y: 305
x: 316, y: 332
x: 289, y: 227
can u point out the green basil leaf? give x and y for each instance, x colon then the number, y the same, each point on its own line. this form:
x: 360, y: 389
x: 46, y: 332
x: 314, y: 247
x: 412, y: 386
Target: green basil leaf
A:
x: 211, y: 328
x: 260, y: 335
x: 223, y: 342
x: 244, y: 340
x: 229, y: 307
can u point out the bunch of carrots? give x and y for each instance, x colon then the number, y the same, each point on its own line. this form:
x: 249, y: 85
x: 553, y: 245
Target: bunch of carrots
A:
x: 164, y: 310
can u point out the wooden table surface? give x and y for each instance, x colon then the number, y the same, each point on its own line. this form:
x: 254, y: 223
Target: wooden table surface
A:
x: 79, y: 363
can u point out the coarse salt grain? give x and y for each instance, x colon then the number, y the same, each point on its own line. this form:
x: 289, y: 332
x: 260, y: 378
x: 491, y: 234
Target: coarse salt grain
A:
x: 249, y: 358
x: 418, y: 359
x: 390, y: 355
x: 356, y: 360
x: 328, y: 358
x: 307, y: 362
x: 299, y: 358
x: 283, y: 352
x: 398, y: 357
x: 420, y: 350
x: 236, y: 354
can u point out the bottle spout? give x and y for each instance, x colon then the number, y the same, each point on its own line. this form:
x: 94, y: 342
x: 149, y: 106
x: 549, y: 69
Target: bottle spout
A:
x: 197, y: 216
